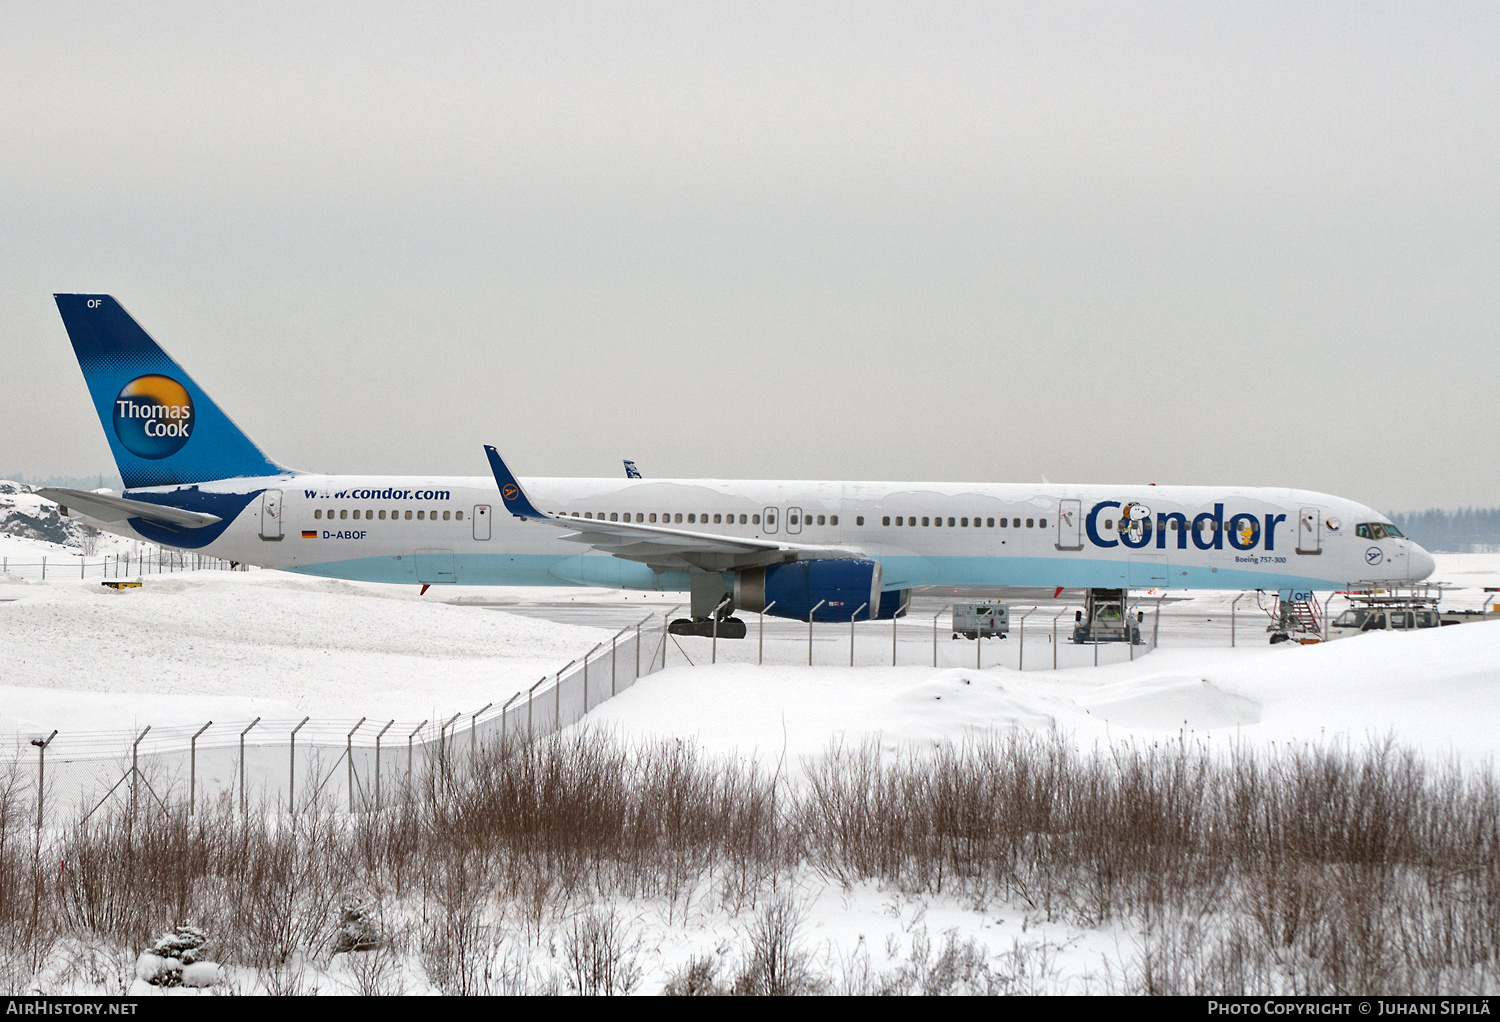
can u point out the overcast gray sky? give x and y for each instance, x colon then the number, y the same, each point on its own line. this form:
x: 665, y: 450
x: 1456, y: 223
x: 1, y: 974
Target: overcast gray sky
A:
x: 1196, y: 243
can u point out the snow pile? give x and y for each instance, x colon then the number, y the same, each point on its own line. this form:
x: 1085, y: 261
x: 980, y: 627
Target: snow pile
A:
x: 177, y: 959
x: 1437, y: 690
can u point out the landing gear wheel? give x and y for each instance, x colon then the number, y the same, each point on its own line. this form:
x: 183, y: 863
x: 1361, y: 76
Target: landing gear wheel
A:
x: 729, y: 628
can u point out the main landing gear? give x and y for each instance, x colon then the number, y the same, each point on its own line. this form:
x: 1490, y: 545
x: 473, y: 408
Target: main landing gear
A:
x: 729, y: 627
x: 711, y: 599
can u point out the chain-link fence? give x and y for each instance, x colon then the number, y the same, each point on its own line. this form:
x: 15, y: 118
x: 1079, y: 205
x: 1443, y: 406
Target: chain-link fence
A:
x: 284, y: 764
x: 148, y: 561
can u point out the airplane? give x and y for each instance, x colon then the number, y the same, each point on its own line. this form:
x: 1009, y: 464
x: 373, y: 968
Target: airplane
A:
x: 631, y: 472
x: 807, y: 550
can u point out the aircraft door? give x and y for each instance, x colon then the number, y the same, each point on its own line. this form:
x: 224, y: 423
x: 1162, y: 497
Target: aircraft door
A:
x: 1069, y: 525
x: 770, y: 516
x: 481, y: 521
x: 270, y: 515
x: 793, y: 520
x: 1310, y: 531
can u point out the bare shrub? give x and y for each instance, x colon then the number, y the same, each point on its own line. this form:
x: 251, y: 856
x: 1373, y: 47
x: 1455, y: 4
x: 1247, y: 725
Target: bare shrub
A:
x: 775, y: 964
x: 600, y: 957
x: 698, y: 977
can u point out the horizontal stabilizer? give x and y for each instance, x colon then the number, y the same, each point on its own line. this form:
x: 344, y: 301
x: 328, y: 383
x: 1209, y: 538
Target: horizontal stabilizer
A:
x: 105, y: 508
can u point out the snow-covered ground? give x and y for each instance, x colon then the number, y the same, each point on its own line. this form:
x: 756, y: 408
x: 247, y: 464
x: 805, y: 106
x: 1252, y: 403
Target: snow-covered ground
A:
x: 230, y: 645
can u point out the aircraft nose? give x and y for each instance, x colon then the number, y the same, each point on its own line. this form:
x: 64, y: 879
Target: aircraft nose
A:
x: 1420, y: 562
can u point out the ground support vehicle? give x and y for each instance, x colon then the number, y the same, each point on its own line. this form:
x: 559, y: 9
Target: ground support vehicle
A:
x: 981, y: 620
x: 1105, y: 618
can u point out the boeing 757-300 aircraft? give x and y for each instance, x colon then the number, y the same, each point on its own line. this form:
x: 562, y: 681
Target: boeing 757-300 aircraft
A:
x: 834, y: 551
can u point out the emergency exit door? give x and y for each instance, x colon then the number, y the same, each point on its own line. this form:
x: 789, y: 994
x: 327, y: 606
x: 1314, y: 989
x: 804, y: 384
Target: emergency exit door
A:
x: 481, y: 521
x: 1310, y: 531
x: 1069, y: 525
x: 270, y: 515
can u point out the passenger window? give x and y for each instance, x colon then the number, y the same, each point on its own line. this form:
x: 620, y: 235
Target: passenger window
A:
x: 899, y: 520
x: 692, y: 518
x: 445, y: 516
x: 1109, y: 523
x: 1005, y: 523
x: 652, y: 517
x: 938, y: 522
x: 717, y: 521
x: 859, y: 520
x: 964, y: 522
x: 990, y: 522
x: 588, y: 514
x: 887, y: 520
x: 1041, y: 523
x: 432, y: 514
x: 318, y: 513
x: 382, y: 516
x: 344, y: 513
x: 950, y: 523
x: 356, y: 514
x: 925, y: 523
x: 419, y: 516
x: 1028, y: 523
x: 792, y: 520
x: 743, y: 519
x: 614, y: 516
x: 770, y: 519
x: 820, y: 519
x: 755, y: 519
x: 408, y: 516
x: 678, y: 517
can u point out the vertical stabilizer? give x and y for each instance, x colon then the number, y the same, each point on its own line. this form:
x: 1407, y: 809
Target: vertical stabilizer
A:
x: 161, y: 426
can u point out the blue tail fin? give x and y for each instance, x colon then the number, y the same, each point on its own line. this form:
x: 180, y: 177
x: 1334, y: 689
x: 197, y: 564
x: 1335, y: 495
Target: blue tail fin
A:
x: 161, y: 426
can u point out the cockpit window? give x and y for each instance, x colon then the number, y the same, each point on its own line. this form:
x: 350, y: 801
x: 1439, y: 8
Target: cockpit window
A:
x: 1392, y: 531
x: 1375, y: 530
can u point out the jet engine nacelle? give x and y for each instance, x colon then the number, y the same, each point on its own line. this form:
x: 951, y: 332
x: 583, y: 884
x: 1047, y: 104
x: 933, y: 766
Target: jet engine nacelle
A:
x: 792, y: 590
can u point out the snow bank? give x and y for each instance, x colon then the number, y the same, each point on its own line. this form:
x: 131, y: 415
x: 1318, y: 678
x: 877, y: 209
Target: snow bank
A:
x: 1437, y: 690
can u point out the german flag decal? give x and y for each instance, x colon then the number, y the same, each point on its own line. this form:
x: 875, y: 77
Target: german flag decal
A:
x: 306, y: 534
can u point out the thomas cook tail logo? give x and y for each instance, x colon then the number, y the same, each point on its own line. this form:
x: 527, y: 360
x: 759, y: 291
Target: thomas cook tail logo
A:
x: 510, y: 492
x: 153, y: 416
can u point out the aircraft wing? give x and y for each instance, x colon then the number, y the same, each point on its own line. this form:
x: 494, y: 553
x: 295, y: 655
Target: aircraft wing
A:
x: 105, y: 508
x: 658, y: 545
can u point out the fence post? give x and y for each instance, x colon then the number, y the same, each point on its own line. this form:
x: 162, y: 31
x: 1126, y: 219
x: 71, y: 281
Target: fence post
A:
x: 557, y: 691
x: 408, y: 752
x: 443, y: 737
x: 638, y: 651
x: 44, y: 568
x: 894, y: 616
x: 505, y: 718
x: 291, y: 784
x: 934, y: 635
x: 135, y: 773
x: 474, y: 733
x: 377, y: 761
x: 349, y: 760
x: 1021, y: 644
x: 760, y: 654
x: 809, y: 629
x: 193, y: 768
x: 41, y: 781
x: 862, y: 606
x: 244, y: 804
x: 529, y: 694
x: 1232, y: 604
x: 1156, y: 621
